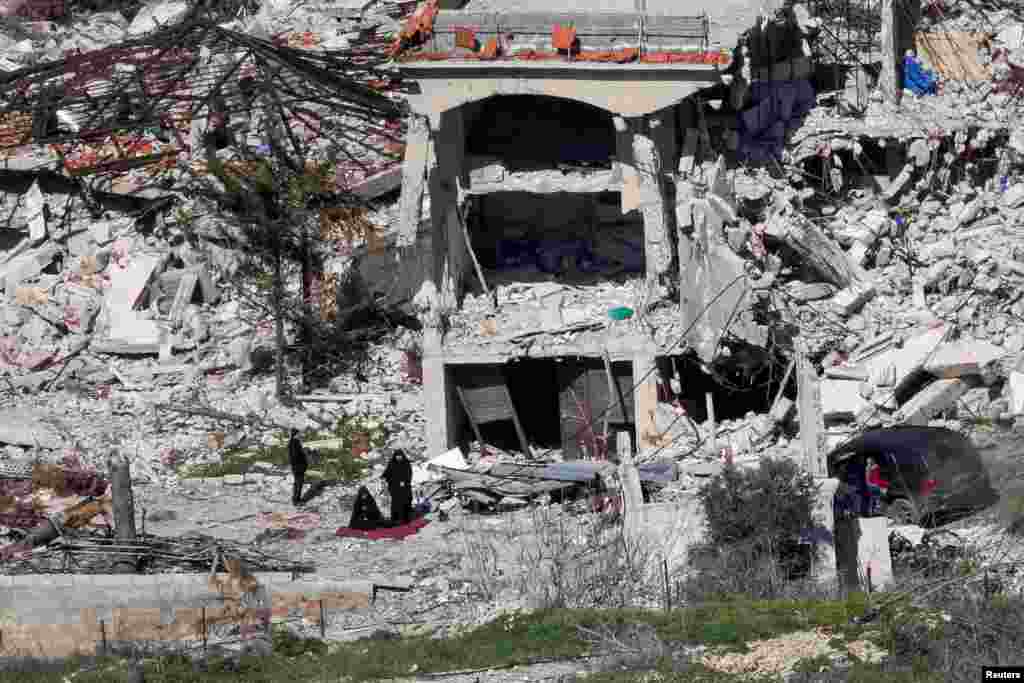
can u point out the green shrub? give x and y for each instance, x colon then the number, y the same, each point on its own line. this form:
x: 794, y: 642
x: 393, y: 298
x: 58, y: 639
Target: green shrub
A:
x: 756, y: 516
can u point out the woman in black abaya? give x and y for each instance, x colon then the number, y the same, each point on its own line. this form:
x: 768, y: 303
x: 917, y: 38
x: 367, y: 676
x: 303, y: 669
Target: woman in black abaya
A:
x: 398, y: 475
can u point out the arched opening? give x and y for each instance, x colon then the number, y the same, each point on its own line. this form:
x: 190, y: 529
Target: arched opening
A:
x: 527, y: 131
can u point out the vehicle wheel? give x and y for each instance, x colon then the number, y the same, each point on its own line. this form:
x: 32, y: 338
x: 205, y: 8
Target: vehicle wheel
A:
x: 901, y: 511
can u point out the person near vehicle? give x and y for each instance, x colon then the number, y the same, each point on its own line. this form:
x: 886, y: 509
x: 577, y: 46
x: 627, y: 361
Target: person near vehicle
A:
x: 398, y: 475
x: 877, y: 486
x: 297, y: 459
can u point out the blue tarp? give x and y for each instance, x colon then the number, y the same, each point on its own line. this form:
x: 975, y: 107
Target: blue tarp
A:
x: 918, y: 79
x: 547, y: 255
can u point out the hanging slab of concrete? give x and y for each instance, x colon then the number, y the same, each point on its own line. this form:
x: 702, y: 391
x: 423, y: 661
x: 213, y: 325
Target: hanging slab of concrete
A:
x: 21, y: 428
x: 62, y: 615
x: 928, y: 403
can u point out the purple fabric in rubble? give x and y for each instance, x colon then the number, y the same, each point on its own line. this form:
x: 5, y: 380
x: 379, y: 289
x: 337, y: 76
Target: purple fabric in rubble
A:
x: 777, y: 107
x: 517, y: 253
x: 551, y: 253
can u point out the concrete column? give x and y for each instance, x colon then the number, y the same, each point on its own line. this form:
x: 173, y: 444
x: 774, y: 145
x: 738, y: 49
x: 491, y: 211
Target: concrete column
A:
x: 812, y: 427
x: 899, y: 21
x: 654, y: 151
x: 645, y: 399
x: 439, y: 405
x: 414, y: 177
x: 824, y: 568
x: 444, y: 169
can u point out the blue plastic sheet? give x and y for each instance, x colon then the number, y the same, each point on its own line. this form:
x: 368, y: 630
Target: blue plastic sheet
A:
x: 918, y: 79
x: 551, y: 254
x: 514, y: 254
x: 548, y: 255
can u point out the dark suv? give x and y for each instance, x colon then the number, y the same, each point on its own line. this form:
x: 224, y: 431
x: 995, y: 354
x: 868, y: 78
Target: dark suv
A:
x: 934, y: 474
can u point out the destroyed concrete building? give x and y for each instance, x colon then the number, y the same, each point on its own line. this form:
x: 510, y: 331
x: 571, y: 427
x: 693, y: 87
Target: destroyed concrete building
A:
x: 575, y: 220
x: 616, y: 214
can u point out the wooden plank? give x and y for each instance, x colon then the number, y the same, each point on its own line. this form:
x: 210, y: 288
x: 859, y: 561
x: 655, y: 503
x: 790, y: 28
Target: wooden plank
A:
x: 488, y: 404
x: 953, y: 55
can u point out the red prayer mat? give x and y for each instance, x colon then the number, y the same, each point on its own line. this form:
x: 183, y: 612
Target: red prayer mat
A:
x: 395, y: 532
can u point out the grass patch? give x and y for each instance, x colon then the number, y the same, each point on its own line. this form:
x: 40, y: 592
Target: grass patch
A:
x: 332, y: 464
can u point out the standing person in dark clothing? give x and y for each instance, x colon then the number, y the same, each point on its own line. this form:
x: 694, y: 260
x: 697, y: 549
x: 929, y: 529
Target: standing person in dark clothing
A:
x: 398, y: 475
x: 297, y: 459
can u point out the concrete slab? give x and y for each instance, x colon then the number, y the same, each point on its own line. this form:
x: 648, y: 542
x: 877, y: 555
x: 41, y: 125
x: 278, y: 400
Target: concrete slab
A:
x: 841, y: 399
x: 932, y: 401
x: 873, y: 553
x: 22, y: 428
x: 128, y: 282
x: 963, y: 357
x: 669, y: 529
x: 863, y: 553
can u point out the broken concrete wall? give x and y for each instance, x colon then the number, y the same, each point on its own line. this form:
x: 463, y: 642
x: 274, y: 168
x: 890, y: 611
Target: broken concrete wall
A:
x: 668, y: 530
x: 47, y: 616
